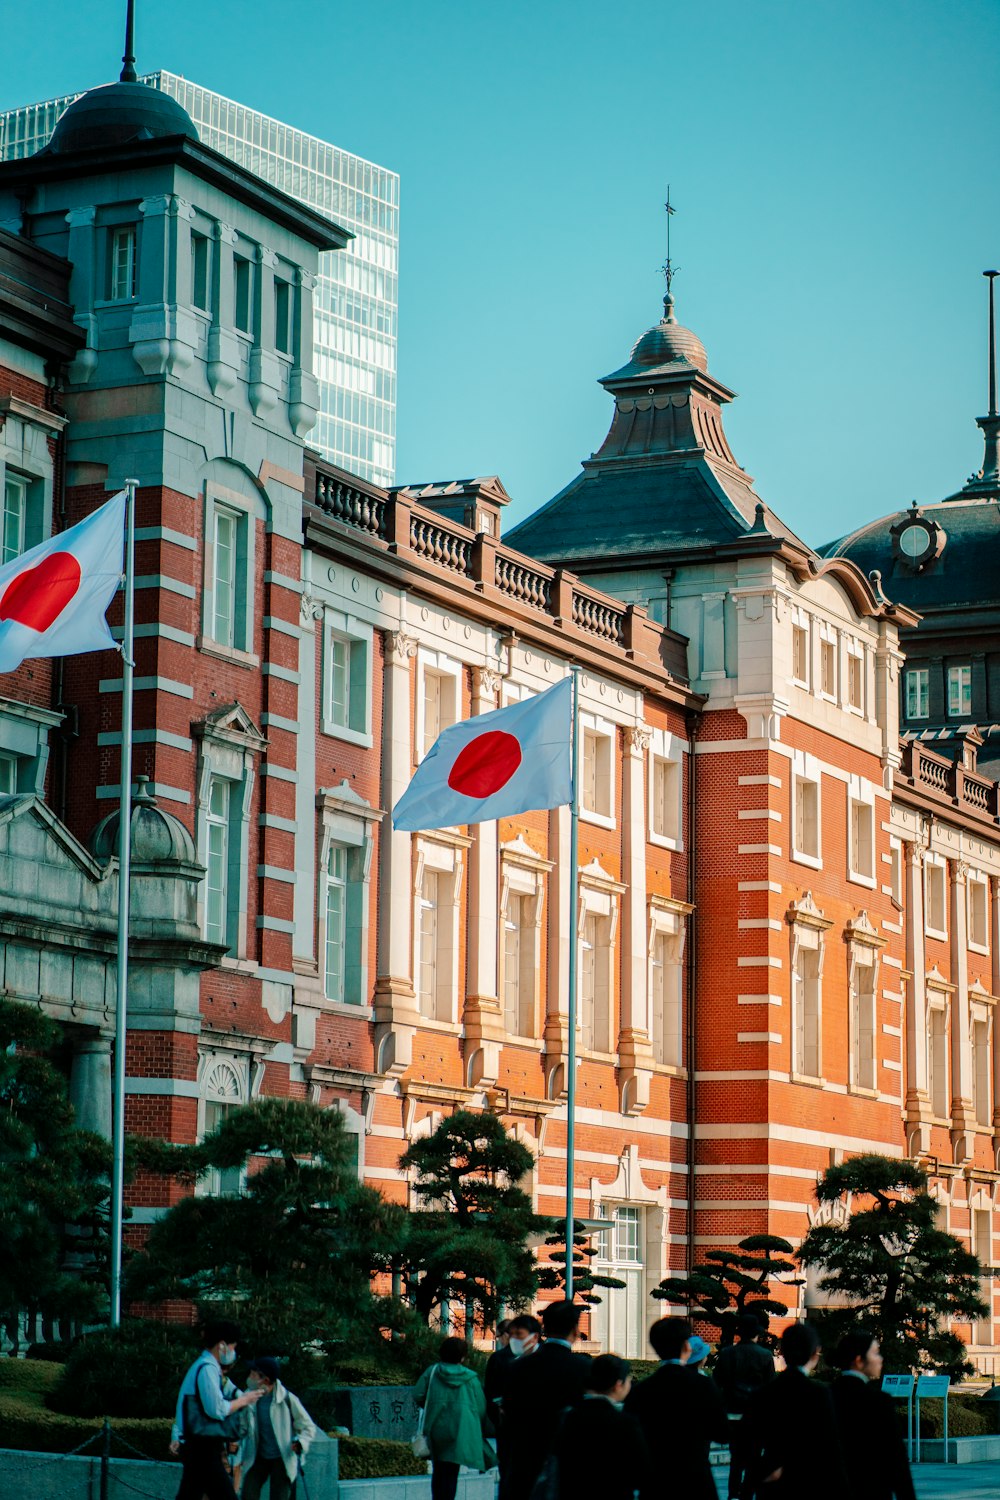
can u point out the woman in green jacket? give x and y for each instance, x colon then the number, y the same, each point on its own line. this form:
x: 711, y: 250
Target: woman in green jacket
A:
x: 454, y: 1412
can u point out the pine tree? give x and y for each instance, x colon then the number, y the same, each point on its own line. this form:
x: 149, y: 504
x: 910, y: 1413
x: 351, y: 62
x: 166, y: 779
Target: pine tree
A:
x: 552, y: 1273
x: 54, y: 1182
x: 468, y: 1243
x: 730, y: 1282
x: 292, y: 1256
x: 896, y: 1271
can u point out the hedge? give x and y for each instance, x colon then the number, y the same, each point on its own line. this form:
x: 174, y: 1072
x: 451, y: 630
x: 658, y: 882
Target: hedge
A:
x: 963, y: 1419
x: 26, y: 1422
x: 377, y: 1458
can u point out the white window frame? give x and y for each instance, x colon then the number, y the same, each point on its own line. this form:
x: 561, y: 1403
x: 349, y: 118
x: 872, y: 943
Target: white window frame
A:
x: 938, y: 1005
x: 863, y: 1005
x: 665, y: 749
x: 356, y: 635
x: 855, y: 657
x: 667, y: 927
x: 806, y: 770
x: 348, y: 822
x: 936, y: 862
x: 127, y: 235
x: 861, y: 796
x: 980, y: 882
x: 444, y: 666
x: 960, y: 676
x: 981, y: 1015
x: 224, y: 1084
x: 599, y: 898
x: 446, y: 860
x: 246, y: 513
x: 896, y: 876
x: 522, y: 878
x: 19, y: 485
x: 229, y: 750
x: 801, y: 622
x: 827, y: 636
x: 601, y: 731
x: 916, y: 688
x: 808, y: 928
x: 219, y: 827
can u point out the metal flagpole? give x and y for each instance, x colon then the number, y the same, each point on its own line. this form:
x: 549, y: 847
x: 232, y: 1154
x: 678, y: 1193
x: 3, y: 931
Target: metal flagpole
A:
x: 574, y: 903
x: 124, y: 874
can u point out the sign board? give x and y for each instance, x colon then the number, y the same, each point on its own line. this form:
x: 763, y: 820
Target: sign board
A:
x: 932, y: 1385
x: 898, y: 1385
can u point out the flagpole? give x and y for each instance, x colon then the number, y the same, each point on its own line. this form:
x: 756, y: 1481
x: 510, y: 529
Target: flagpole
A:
x: 574, y: 904
x: 124, y: 875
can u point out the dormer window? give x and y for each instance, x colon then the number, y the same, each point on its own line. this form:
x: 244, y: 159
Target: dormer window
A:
x: 959, y: 692
x: 121, y: 263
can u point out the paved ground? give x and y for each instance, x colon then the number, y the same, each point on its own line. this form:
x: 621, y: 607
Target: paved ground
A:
x: 938, y: 1481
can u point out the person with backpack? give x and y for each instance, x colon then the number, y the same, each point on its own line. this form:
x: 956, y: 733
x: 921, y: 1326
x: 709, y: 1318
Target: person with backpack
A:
x: 740, y: 1371
x: 454, y: 1411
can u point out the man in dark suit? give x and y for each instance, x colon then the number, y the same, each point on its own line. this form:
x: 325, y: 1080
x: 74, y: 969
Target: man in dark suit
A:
x: 874, y: 1451
x: 538, y: 1390
x: 521, y: 1337
x: 681, y: 1413
x: 740, y: 1370
x: 599, y: 1449
x: 791, y: 1436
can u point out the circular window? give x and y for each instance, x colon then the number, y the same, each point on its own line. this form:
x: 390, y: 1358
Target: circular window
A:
x: 914, y: 541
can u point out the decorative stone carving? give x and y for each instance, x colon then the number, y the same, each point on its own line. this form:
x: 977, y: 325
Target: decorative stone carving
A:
x: 401, y: 646
x: 637, y: 739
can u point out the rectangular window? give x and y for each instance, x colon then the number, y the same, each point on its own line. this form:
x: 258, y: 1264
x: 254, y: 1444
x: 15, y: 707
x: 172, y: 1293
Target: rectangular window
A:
x: 917, y: 693
x: 435, y: 945
x: 200, y: 285
x: 440, y: 704
x: 936, y: 898
x: 862, y: 851
x: 806, y: 1053
x: 595, y: 984
x: 121, y: 263
x: 856, y: 681
x: 15, y: 509
x: 863, y: 1028
x: 805, y: 830
x: 8, y: 775
x: 282, y: 316
x: 597, y: 777
x: 429, y: 945
x: 666, y: 1000
x: 224, y: 591
x: 665, y: 798
x: 628, y: 1239
x: 959, y: 692
x: 896, y: 872
x: 217, y: 876
x: 222, y: 1182
x: 800, y: 654
x: 981, y: 1072
x: 979, y: 906
x: 828, y: 669
x: 336, y: 922
x: 519, y: 965
x: 937, y: 1062
x: 242, y: 294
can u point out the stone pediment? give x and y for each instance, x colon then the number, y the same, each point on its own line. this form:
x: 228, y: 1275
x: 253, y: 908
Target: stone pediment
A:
x: 54, y: 835
x: 232, y: 725
x: 805, y: 913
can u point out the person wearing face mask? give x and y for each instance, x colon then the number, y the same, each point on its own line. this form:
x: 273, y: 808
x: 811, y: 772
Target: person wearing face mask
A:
x: 522, y: 1336
x: 600, y: 1448
x: 201, y: 1402
x: 280, y: 1433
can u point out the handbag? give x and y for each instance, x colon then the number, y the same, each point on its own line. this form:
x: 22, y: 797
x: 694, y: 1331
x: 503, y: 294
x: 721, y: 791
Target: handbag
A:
x: 420, y: 1445
x: 198, y: 1424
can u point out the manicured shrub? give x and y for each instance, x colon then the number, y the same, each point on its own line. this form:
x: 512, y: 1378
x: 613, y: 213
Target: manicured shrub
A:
x: 963, y: 1419
x: 377, y: 1458
x: 132, y: 1371
x: 26, y: 1425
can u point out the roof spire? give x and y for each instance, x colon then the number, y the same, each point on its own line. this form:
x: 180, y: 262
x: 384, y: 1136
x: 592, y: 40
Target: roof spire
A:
x: 668, y: 268
x: 128, y: 73
x: 988, y: 479
x: 991, y: 276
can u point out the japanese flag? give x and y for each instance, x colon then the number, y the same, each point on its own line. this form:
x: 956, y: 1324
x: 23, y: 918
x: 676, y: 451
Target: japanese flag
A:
x: 516, y: 759
x: 53, y: 598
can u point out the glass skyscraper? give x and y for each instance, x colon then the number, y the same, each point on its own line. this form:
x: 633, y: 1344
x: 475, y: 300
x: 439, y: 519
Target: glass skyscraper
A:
x: 357, y: 294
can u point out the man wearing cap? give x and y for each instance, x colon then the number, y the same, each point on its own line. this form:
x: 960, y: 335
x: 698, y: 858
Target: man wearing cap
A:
x: 280, y: 1433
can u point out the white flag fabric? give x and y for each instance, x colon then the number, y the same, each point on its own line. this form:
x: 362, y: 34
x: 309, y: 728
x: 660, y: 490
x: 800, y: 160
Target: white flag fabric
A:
x: 53, y: 598
x: 513, y: 760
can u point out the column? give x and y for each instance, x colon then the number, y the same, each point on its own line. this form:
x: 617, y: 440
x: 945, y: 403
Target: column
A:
x: 917, y: 1102
x: 303, y: 389
x: 634, y: 1050
x: 223, y: 349
x: 81, y: 253
x: 995, y: 989
x: 962, y: 1114
x: 396, y: 1015
x: 484, y: 1032
x: 90, y: 1083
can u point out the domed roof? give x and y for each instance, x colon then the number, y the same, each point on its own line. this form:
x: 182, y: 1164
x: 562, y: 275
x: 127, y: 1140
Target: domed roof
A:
x: 669, y: 340
x: 157, y: 836
x: 117, y: 113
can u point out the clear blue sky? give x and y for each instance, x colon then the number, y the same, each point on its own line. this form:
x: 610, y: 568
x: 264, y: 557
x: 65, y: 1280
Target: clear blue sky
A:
x: 831, y: 164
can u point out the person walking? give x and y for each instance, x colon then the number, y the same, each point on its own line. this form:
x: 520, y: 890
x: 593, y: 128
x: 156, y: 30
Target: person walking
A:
x: 524, y: 1335
x: 874, y: 1451
x: 681, y: 1414
x: 202, y: 1408
x: 599, y: 1448
x: 741, y: 1370
x: 792, y: 1443
x: 538, y: 1391
x: 280, y: 1433
x: 454, y: 1408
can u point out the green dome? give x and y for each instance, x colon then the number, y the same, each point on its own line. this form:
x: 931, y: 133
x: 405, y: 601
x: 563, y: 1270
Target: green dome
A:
x: 117, y: 113
x: 157, y: 836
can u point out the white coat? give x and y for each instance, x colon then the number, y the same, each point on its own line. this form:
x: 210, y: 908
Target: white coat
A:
x: 291, y: 1423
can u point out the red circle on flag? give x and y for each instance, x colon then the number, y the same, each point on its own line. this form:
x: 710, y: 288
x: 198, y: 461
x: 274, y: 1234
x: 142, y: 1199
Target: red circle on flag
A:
x: 485, y: 764
x: 38, y: 596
